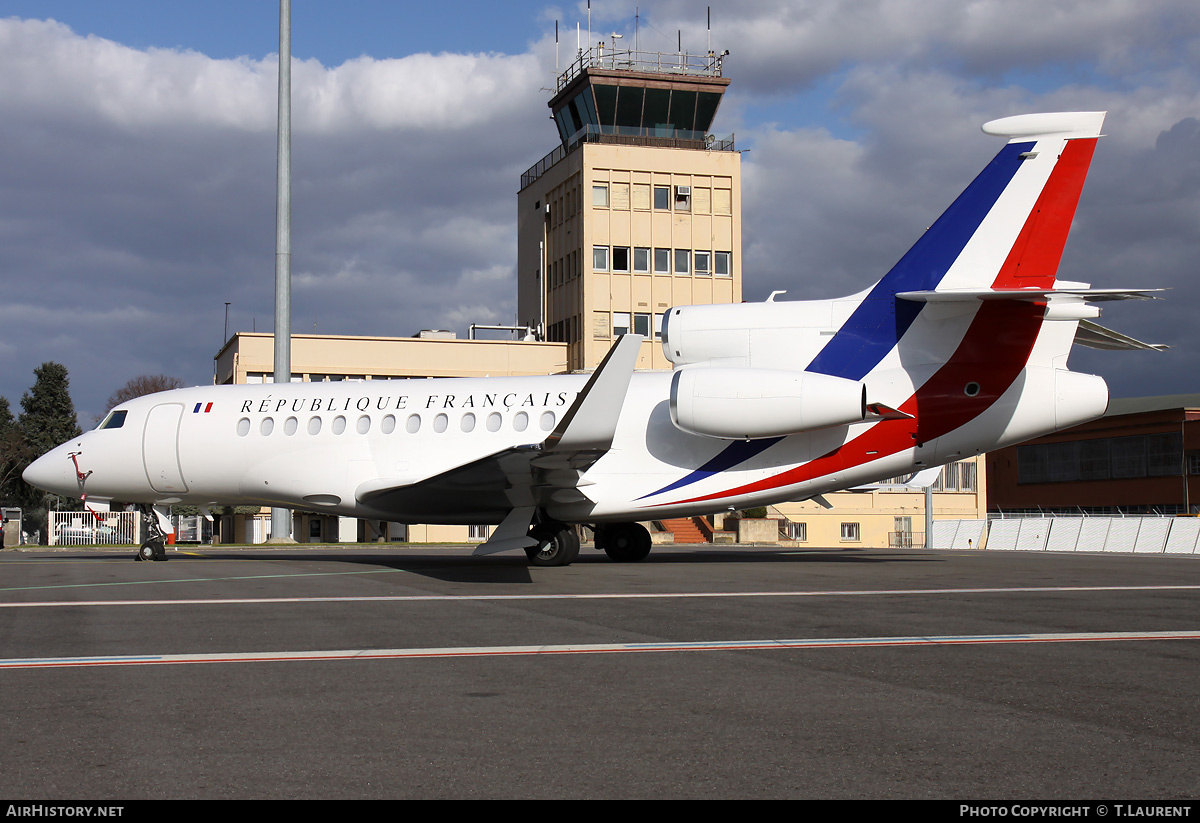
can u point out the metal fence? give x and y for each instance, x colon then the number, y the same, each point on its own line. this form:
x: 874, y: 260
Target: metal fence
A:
x: 957, y: 534
x: 592, y: 133
x: 1137, y: 535
x: 117, y: 528
x: 656, y: 62
x: 88, y: 529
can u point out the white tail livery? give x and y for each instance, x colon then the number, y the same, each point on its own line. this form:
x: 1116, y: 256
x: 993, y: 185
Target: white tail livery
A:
x: 959, y: 349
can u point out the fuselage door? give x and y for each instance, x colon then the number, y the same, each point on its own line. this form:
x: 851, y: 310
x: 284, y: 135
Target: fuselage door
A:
x: 160, y: 448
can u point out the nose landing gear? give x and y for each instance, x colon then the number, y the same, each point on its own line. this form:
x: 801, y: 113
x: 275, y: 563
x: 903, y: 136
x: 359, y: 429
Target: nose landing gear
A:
x: 154, y: 547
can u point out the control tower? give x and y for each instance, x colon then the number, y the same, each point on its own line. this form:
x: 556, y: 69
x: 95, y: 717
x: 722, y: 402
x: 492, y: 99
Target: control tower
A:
x: 636, y: 210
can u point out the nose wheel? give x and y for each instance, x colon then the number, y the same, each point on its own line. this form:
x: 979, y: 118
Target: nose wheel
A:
x: 151, y: 550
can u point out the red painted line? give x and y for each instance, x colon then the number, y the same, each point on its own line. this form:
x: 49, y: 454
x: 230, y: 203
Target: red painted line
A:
x: 616, y: 648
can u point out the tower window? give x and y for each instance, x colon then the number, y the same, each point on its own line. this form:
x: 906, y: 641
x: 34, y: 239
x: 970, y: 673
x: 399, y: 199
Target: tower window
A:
x: 662, y: 197
x: 600, y: 196
x: 662, y: 261
x: 620, y: 261
x: 600, y: 258
x: 722, y: 261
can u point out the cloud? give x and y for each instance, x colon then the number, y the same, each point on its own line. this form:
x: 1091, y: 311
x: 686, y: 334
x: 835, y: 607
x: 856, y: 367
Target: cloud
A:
x: 138, y: 190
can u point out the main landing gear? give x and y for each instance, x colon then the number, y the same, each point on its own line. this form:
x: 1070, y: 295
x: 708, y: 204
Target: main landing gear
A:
x: 558, y: 543
x: 623, y: 542
x: 154, y: 547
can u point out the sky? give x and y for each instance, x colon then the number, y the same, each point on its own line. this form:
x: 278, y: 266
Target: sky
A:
x: 137, y: 160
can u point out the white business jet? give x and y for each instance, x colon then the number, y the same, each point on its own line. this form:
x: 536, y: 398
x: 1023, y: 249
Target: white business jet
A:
x: 959, y: 349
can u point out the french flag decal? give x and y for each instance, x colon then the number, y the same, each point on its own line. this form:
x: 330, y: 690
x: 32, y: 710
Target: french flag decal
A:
x: 206, y: 408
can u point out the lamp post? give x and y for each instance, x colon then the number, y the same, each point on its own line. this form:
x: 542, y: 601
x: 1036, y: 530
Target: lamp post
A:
x: 281, y: 519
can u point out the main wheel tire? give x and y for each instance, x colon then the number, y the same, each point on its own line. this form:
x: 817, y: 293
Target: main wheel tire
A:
x: 627, y: 542
x: 557, y: 545
x: 148, y: 551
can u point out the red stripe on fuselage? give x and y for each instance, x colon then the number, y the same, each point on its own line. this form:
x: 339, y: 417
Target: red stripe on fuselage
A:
x: 992, y: 353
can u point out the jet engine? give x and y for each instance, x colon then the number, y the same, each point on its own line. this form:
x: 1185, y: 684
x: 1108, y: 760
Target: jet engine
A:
x: 743, y: 404
x: 784, y: 335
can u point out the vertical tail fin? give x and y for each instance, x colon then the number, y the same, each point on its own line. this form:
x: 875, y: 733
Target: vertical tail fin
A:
x: 1006, y: 230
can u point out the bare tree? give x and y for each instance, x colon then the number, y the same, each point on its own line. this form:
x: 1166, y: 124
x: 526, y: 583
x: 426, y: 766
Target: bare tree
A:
x: 138, y: 386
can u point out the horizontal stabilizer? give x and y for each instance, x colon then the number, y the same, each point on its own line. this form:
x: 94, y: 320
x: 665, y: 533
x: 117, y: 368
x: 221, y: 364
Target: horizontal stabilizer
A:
x: 1037, y: 295
x: 1095, y: 336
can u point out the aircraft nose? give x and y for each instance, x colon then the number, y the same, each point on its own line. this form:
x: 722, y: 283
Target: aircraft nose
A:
x: 53, y: 472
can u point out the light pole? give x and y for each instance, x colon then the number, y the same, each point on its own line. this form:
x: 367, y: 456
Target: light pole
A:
x: 281, y: 518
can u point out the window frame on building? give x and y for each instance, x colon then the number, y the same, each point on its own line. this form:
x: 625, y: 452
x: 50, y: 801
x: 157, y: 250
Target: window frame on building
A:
x: 684, y: 256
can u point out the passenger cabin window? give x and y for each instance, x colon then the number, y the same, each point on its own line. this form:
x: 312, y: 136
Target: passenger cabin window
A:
x: 115, y: 420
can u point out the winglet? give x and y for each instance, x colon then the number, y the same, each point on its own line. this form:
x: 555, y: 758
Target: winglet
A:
x: 592, y: 421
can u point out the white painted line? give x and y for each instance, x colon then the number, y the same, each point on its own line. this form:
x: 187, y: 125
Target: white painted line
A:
x: 597, y: 648
x: 433, y: 598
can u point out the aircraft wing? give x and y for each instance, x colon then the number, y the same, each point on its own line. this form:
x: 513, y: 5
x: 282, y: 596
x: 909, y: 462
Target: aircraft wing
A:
x: 522, y: 478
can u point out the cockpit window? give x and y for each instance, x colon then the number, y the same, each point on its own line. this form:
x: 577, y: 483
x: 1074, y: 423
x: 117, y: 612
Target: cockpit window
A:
x: 115, y: 420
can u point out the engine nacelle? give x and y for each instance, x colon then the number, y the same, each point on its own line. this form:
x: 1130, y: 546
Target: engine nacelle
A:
x: 744, y: 404
x: 784, y: 335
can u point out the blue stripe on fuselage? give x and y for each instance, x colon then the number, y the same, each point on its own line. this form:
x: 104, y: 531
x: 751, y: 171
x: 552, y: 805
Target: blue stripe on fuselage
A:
x: 879, y: 322
x: 728, y: 457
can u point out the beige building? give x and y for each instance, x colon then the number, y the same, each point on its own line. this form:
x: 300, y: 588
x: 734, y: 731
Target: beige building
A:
x: 249, y: 357
x: 888, y: 515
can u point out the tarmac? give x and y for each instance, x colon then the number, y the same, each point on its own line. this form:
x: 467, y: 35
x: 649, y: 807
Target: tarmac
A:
x: 702, y: 672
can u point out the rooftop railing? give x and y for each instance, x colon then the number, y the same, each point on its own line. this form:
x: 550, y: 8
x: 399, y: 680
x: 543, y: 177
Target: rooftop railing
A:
x: 656, y: 62
x: 624, y: 135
